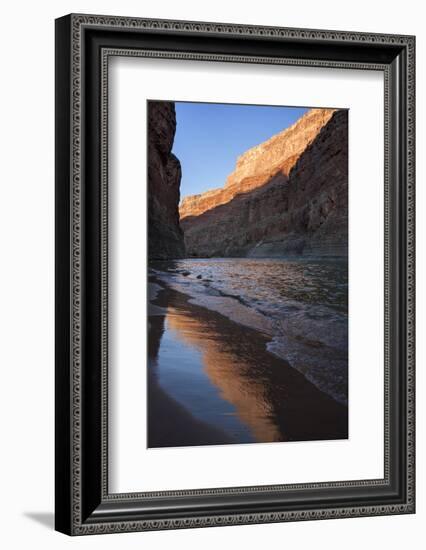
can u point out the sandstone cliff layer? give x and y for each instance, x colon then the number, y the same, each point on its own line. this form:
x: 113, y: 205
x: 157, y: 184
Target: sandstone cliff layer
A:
x: 258, y: 165
x: 165, y: 237
x: 287, y: 196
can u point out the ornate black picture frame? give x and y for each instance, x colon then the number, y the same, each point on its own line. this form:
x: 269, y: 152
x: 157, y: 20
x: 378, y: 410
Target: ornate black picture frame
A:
x: 83, y: 45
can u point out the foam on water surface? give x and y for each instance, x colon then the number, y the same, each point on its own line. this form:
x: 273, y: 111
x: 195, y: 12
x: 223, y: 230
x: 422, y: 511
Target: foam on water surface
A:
x: 300, y: 304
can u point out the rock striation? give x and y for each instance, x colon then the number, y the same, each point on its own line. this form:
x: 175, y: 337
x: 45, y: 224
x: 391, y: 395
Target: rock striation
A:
x: 165, y: 236
x: 258, y: 165
x: 287, y: 196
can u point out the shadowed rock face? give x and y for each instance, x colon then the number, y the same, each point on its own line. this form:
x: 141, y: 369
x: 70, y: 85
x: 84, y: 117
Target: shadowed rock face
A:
x: 287, y: 196
x: 165, y: 237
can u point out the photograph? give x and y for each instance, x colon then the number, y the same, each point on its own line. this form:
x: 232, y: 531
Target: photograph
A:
x: 234, y: 304
x: 247, y: 273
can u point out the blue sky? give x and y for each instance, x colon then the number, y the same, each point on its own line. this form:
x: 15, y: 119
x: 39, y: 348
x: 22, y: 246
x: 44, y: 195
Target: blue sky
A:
x: 210, y: 137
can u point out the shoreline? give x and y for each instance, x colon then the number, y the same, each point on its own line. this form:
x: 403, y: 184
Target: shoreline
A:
x: 317, y: 349
x: 271, y: 399
x: 290, y: 257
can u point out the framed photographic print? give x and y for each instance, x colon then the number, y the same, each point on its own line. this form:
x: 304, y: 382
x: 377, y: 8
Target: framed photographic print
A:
x: 234, y: 274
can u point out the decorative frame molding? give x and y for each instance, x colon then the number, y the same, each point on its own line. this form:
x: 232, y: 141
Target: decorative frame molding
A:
x: 84, y: 44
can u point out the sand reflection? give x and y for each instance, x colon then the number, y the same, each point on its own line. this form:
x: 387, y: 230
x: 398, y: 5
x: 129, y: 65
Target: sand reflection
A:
x: 212, y: 381
x: 234, y: 375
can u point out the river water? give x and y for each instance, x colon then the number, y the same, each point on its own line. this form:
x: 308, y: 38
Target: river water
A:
x: 301, y: 305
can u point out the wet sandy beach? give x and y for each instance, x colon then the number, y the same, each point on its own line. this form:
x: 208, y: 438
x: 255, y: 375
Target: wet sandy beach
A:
x: 212, y: 381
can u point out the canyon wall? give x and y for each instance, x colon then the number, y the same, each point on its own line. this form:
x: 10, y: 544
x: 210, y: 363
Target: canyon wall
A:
x: 259, y: 164
x: 165, y: 236
x: 287, y: 196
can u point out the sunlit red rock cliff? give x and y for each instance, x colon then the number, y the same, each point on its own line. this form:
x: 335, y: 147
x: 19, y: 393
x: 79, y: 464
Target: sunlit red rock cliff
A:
x: 286, y: 196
